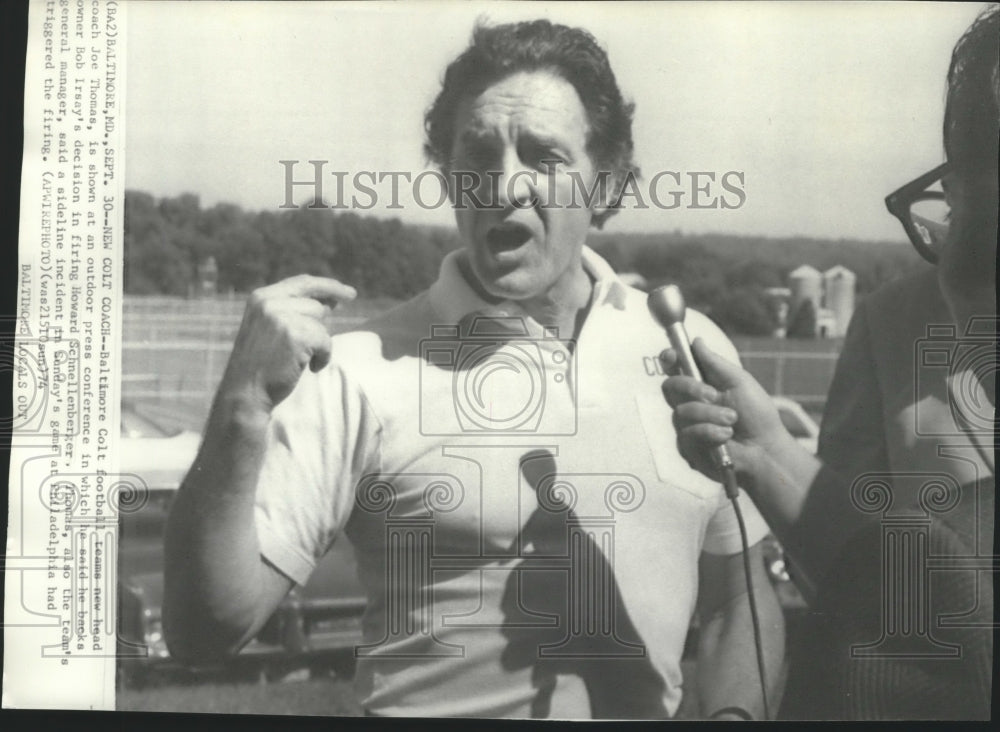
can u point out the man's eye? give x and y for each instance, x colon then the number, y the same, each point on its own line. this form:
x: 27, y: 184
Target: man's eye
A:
x: 548, y: 163
x: 478, y: 158
x: 541, y: 157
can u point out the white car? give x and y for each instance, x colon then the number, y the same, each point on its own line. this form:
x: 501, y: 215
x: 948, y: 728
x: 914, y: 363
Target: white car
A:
x: 798, y: 422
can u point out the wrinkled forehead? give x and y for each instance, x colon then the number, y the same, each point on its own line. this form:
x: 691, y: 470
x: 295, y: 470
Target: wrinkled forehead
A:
x: 540, y: 103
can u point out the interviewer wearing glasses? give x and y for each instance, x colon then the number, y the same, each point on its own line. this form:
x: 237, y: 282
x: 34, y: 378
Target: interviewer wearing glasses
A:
x: 889, y: 530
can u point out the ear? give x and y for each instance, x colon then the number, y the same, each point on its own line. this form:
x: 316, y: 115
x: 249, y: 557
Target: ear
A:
x: 602, y: 206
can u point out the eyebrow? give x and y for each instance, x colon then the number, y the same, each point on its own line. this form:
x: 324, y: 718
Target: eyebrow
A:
x: 478, y: 140
x: 547, y: 141
x: 478, y: 135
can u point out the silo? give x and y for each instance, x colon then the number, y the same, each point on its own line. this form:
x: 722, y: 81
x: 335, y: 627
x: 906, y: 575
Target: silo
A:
x: 806, y: 283
x: 839, y: 284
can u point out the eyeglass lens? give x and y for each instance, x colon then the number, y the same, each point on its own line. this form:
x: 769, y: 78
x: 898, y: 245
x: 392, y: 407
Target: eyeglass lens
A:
x: 930, y: 220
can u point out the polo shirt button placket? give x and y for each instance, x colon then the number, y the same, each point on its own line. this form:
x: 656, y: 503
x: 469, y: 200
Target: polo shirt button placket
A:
x: 561, y: 363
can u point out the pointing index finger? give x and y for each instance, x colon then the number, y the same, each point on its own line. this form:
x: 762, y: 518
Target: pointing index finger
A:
x: 319, y: 288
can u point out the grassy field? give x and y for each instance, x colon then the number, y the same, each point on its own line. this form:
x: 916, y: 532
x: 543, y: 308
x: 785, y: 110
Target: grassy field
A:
x: 300, y: 694
x: 329, y: 697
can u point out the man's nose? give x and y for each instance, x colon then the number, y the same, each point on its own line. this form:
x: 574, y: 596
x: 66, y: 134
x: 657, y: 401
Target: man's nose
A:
x: 517, y: 184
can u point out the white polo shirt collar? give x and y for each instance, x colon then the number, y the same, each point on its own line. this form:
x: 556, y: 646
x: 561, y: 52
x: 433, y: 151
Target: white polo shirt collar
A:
x: 452, y: 297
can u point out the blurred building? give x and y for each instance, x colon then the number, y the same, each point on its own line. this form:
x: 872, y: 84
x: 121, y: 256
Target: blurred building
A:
x: 826, y: 323
x: 838, y: 286
x: 779, y: 299
x: 805, y: 283
x: 831, y: 294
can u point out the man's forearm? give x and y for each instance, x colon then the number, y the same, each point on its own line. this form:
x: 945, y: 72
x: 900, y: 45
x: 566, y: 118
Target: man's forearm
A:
x: 727, y: 660
x: 808, y: 506
x: 211, y: 550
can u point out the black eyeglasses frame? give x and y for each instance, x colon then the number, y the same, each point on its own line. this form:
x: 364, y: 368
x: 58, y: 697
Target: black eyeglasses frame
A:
x: 899, y: 202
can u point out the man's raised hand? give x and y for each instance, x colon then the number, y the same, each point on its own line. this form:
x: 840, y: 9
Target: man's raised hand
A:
x: 284, y: 329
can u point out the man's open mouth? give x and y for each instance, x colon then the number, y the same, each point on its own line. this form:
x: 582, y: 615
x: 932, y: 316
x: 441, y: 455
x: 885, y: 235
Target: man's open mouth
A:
x: 507, y: 236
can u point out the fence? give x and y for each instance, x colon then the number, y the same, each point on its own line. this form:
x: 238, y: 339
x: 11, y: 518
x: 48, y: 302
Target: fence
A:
x: 175, y: 352
x: 804, y: 377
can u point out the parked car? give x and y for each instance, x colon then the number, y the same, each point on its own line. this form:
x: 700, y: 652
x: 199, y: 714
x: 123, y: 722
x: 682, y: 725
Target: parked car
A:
x: 323, y: 616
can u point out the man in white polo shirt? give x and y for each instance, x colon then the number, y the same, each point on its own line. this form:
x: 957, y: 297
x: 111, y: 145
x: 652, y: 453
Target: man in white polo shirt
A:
x: 496, y: 450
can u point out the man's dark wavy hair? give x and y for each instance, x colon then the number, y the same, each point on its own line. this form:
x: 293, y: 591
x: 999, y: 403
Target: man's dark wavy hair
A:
x: 497, y: 52
x: 972, y: 111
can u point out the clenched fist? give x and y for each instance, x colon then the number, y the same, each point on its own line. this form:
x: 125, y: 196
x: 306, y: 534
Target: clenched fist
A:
x: 284, y: 329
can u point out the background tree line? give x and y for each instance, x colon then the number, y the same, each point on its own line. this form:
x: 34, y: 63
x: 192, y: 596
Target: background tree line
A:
x: 166, y: 239
x: 723, y: 275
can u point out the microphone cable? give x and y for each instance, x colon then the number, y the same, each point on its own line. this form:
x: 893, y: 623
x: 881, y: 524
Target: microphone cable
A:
x: 666, y: 305
x: 732, y: 492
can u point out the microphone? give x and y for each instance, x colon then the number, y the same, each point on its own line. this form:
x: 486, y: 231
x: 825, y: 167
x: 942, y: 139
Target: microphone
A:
x: 666, y: 304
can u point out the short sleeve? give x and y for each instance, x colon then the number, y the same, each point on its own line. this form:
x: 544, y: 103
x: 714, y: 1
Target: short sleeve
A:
x: 723, y: 533
x: 321, y: 439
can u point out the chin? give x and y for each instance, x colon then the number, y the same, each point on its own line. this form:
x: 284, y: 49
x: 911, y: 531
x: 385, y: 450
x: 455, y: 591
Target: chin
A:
x: 511, y: 286
x: 507, y: 283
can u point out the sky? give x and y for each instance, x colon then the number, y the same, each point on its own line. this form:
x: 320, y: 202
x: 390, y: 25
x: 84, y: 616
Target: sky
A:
x: 825, y: 108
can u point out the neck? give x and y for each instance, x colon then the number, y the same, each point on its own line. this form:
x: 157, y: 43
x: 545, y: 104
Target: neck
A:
x: 563, y: 306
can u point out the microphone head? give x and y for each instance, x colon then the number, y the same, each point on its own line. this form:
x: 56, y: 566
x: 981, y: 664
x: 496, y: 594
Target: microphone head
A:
x: 666, y: 305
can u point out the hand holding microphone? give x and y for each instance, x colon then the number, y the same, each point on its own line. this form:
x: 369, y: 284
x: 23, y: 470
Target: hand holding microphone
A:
x: 720, y: 413
x: 732, y: 405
